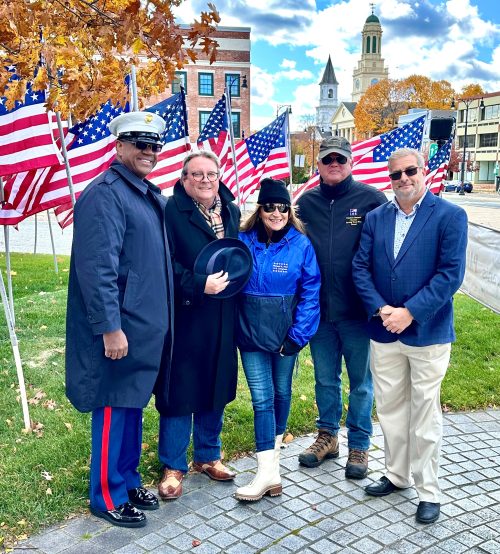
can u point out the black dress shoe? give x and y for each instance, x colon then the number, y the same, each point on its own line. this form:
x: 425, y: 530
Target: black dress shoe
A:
x: 124, y: 515
x: 382, y: 487
x: 428, y: 512
x: 143, y: 499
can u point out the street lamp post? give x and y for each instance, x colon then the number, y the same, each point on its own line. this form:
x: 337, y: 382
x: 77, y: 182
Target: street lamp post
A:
x: 467, y: 102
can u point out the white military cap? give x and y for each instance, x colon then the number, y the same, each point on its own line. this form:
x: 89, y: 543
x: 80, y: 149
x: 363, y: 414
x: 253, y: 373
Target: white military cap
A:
x: 145, y: 126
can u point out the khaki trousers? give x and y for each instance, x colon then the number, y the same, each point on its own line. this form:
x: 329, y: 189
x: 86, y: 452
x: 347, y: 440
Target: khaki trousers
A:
x: 407, y: 384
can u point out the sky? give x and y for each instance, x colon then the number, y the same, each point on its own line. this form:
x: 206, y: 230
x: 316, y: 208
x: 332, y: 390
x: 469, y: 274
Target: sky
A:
x: 455, y: 40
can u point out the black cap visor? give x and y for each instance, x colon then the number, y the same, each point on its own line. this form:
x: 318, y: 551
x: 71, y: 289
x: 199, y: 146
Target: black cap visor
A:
x: 148, y: 138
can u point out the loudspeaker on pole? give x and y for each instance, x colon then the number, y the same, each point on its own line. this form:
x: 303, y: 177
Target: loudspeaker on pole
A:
x: 441, y: 128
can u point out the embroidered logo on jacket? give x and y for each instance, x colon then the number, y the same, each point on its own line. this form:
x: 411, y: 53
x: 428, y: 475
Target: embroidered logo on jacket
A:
x: 280, y: 267
x: 353, y: 218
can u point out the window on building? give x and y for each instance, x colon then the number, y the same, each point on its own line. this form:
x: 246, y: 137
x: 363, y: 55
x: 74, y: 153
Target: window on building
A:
x: 233, y: 84
x: 367, y: 45
x: 471, y: 116
x: 235, y: 116
x: 202, y: 119
x: 486, y: 171
x: 471, y: 141
x: 491, y: 112
x: 488, y: 139
x: 179, y: 81
x: 330, y: 93
x: 374, y: 45
x: 206, y: 84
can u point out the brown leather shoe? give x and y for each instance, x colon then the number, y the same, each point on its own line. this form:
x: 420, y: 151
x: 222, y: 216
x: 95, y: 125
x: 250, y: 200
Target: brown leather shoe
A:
x: 215, y: 470
x: 170, y: 486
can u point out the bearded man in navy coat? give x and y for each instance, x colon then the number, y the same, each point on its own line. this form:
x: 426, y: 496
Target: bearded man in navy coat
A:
x: 410, y: 263
x: 119, y: 317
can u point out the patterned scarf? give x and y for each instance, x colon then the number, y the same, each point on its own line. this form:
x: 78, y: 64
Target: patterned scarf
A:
x: 213, y: 216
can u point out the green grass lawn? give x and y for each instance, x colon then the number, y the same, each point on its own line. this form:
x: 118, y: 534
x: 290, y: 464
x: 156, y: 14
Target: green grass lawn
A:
x: 43, y: 473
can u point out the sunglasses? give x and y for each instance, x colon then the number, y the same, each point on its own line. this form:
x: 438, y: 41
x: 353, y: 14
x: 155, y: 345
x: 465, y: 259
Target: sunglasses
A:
x: 409, y: 172
x: 282, y: 208
x: 327, y: 160
x: 140, y: 145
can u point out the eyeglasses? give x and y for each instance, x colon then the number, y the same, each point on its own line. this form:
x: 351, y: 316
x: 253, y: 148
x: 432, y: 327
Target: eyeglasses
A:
x: 140, y: 145
x: 327, y: 160
x: 282, y: 208
x: 198, y: 176
x: 409, y: 172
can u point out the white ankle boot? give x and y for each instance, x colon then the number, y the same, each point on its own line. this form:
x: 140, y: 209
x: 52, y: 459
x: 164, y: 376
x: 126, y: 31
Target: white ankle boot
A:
x: 266, y: 481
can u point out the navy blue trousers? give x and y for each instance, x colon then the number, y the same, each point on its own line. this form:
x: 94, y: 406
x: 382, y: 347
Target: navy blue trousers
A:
x: 116, y: 451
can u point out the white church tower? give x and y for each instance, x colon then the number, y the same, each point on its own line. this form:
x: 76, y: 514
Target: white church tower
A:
x: 370, y: 68
x: 328, y: 100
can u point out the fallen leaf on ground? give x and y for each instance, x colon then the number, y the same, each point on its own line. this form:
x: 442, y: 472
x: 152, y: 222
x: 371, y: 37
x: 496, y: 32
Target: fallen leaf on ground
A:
x: 196, y: 542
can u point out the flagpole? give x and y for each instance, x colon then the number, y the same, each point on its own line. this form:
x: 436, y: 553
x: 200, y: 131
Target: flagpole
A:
x: 66, y: 161
x: 231, y: 136
x: 133, y: 89
x: 36, y: 233
x: 56, y: 268
x: 288, y: 146
x: 17, y: 357
x: 6, y: 232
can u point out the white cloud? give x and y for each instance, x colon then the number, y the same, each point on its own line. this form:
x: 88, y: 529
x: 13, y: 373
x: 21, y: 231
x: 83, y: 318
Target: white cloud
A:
x: 447, y: 41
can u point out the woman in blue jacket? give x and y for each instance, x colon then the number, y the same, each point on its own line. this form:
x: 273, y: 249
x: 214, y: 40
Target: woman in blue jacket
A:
x: 278, y: 314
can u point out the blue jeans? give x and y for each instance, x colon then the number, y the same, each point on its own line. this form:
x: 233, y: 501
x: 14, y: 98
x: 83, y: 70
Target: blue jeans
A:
x: 175, y: 435
x: 331, y: 342
x: 269, y: 378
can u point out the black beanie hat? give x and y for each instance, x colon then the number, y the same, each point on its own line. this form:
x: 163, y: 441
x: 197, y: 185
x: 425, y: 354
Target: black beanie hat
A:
x: 272, y: 190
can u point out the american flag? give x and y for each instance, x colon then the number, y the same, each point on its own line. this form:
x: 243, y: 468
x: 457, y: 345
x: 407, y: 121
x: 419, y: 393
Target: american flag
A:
x: 262, y: 155
x: 21, y: 187
x: 309, y: 184
x: 26, y: 140
x: 90, y: 153
x: 215, y: 134
x: 370, y: 156
x: 437, y: 167
x: 175, y: 138
x: 64, y: 214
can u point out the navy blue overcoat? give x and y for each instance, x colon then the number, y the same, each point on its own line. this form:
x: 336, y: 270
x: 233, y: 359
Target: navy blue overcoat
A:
x: 120, y: 277
x: 204, y: 362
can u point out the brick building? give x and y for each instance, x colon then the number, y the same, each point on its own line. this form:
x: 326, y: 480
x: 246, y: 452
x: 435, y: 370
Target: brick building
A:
x: 204, y: 82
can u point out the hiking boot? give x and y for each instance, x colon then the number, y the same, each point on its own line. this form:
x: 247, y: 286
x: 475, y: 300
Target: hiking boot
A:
x: 324, y: 447
x: 357, y: 464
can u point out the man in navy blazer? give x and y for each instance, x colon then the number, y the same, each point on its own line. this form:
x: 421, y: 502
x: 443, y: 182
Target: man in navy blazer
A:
x: 410, y: 262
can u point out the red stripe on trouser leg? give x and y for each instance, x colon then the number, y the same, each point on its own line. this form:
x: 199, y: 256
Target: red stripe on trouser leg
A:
x: 106, y: 426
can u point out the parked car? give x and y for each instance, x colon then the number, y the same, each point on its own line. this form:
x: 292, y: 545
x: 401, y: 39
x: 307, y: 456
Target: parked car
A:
x: 454, y: 186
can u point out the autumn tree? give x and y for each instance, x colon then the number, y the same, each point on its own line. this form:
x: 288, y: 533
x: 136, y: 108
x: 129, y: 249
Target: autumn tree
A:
x: 471, y: 90
x: 382, y: 104
x: 379, y: 108
x: 82, y: 49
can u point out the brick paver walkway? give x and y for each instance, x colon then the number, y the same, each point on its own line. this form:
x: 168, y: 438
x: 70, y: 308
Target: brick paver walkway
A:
x: 320, y: 511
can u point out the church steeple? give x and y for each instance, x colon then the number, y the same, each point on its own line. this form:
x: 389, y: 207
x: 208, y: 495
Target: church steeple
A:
x: 329, y: 74
x: 370, y: 68
x: 328, y: 99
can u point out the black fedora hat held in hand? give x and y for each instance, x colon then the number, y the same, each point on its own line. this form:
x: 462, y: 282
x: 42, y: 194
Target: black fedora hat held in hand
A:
x: 229, y: 255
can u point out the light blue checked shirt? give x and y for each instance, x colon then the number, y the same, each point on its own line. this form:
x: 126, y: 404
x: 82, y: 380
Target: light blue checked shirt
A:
x: 403, y: 223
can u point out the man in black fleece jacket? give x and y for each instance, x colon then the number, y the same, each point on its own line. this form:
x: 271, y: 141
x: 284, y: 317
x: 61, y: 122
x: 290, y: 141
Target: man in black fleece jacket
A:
x: 333, y: 214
